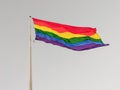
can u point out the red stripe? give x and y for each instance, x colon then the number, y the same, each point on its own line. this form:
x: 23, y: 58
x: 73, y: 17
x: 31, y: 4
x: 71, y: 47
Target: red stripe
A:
x: 61, y: 28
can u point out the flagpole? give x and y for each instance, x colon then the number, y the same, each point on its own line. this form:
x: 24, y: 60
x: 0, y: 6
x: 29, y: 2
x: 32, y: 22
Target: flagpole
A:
x: 30, y: 62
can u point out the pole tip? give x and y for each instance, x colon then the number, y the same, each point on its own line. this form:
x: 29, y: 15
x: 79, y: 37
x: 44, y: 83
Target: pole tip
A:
x: 30, y: 16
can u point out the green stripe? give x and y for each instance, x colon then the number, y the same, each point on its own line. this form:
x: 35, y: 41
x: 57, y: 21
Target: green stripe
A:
x: 71, y: 40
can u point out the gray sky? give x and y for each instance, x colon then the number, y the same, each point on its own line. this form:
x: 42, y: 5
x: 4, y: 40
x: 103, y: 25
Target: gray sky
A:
x: 57, y: 68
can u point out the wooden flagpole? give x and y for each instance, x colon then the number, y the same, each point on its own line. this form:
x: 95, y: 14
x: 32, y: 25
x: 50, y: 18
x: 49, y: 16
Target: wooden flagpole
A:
x: 30, y: 62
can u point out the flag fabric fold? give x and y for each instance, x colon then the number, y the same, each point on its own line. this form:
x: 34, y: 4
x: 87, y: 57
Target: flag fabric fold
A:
x: 72, y: 37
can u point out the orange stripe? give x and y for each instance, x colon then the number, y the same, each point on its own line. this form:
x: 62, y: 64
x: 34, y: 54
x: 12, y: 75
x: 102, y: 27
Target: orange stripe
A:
x: 65, y: 34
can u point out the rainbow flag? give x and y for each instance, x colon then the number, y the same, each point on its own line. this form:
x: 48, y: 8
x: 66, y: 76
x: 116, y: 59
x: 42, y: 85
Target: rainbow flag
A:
x: 72, y: 37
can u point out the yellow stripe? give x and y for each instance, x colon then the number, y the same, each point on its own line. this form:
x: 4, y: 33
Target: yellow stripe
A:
x: 95, y: 36
x: 65, y: 34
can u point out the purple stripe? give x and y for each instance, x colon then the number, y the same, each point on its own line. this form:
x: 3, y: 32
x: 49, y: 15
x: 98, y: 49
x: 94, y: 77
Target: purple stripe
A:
x: 77, y: 48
